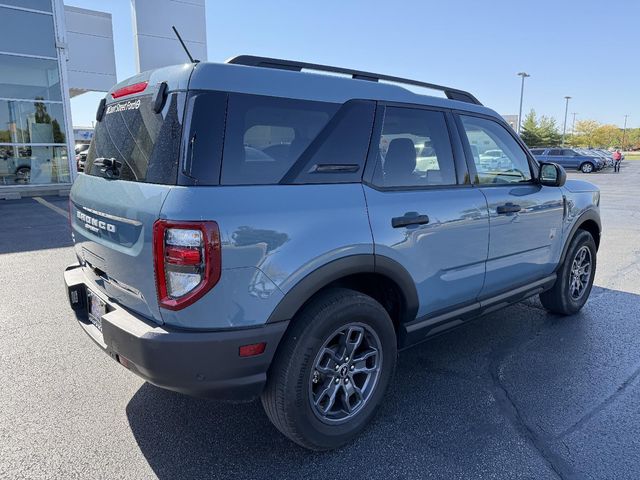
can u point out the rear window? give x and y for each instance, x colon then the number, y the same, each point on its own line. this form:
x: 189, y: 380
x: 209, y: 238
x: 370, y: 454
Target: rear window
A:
x: 134, y: 143
x: 241, y: 139
x: 266, y: 135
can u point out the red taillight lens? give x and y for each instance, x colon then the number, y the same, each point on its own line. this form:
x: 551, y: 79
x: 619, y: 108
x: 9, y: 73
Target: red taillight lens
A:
x: 130, y: 90
x: 182, y: 255
x: 187, y: 259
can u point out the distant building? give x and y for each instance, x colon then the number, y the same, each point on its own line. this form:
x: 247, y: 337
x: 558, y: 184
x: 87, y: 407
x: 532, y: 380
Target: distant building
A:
x: 511, y: 120
x: 82, y: 134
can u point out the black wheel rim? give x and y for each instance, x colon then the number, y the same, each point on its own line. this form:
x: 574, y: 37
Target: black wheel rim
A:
x: 580, y: 273
x: 345, y: 373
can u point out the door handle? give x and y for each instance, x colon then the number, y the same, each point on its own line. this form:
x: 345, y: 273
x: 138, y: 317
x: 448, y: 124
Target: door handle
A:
x: 409, y: 218
x: 508, y: 208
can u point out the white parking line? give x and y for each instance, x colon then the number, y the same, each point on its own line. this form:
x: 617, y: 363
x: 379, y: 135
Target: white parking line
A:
x: 58, y: 210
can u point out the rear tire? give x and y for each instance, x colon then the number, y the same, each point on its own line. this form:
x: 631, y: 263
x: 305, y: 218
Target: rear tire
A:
x: 23, y: 175
x: 575, y: 277
x: 587, y: 167
x: 312, y: 372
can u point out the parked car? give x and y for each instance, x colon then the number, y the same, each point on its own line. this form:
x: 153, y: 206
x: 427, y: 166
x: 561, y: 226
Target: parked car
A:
x: 605, y: 156
x: 81, y: 150
x: 570, y: 158
x: 16, y: 164
x: 608, y: 155
x: 81, y: 159
x: 82, y: 147
x: 266, y: 232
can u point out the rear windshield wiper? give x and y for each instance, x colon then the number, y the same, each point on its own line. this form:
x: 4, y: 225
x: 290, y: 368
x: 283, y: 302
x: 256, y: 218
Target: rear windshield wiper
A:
x: 109, y: 166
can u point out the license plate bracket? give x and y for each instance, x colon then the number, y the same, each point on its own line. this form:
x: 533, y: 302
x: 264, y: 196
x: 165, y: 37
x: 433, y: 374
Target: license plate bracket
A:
x: 96, y: 308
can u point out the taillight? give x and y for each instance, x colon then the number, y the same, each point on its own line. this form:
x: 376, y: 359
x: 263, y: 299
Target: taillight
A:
x: 188, y: 261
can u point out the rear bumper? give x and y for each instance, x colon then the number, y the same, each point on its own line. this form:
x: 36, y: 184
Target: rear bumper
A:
x: 204, y: 364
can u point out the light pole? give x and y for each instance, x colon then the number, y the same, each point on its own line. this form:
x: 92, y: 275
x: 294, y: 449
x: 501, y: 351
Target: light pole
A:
x: 624, y: 131
x: 523, y: 75
x: 566, y: 111
x: 573, y: 125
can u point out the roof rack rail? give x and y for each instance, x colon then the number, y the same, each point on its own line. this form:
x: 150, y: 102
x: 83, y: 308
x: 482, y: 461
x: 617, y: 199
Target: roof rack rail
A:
x: 254, y: 61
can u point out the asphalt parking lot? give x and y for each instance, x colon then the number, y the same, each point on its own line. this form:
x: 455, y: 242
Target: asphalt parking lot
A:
x: 517, y: 394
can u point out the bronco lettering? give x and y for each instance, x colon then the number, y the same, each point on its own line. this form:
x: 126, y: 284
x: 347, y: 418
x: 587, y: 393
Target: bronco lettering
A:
x: 94, y: 224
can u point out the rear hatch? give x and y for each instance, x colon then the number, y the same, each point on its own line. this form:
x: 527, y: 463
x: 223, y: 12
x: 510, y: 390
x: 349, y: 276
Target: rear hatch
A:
x: 131, y: 165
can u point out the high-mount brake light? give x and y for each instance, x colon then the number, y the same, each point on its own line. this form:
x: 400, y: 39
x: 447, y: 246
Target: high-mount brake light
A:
x: 130, y: 90
x: 187, y: 260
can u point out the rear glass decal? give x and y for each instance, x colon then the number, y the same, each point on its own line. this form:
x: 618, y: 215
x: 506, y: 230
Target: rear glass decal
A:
x: 123, y: 106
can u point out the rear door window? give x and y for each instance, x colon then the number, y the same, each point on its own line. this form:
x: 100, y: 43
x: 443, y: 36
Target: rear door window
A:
x: 265, y: 136
x: 134, y: 143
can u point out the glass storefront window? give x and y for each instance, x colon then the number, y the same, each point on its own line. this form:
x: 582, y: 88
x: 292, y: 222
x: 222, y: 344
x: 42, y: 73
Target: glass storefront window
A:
x: 44, y: 5
x: 27, y: 164
x: 29, y: 78
x: 31, y: 122
x: 37, y: 39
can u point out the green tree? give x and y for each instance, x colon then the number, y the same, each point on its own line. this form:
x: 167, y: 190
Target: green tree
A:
x: 530, y: 133
x: 584, y: 133
x: 548, y: 131
x: 607, y: 136
x: 631, y: 139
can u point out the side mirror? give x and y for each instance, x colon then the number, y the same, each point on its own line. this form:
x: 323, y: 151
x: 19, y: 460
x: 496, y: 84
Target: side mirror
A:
x: 552, y: 175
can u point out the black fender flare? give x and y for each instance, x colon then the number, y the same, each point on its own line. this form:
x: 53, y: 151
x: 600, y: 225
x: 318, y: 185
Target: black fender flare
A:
x: 588, y: 215
x: 297, y: 296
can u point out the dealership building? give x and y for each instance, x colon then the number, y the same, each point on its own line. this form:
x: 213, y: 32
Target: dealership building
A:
x: 50, y: 52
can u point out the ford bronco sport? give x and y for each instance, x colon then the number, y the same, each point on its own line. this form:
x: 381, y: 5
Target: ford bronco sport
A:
x: 255, y: 229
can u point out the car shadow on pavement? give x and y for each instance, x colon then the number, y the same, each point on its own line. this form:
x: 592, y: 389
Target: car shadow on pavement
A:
x: 503, y: 397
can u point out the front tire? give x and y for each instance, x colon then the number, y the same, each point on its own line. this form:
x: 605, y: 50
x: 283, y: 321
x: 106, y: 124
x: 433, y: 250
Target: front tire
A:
x: 575, y: 277
x: 586, y: 167
x: 332, y: 370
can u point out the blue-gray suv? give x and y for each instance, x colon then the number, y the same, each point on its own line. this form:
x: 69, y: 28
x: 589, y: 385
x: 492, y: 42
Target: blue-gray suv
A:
x: 252, y: 229
x: 585, y: 161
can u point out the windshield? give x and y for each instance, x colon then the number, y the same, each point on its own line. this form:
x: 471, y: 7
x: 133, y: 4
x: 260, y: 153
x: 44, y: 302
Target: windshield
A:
x: 134, y: 143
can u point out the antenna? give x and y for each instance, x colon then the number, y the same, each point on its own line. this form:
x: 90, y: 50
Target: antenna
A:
x: 175, y: 30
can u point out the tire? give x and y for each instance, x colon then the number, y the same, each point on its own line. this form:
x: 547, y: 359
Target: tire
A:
x: 23, y: 174
x: 586, y: 167
x: 561, y: 298
x: 300, y: 373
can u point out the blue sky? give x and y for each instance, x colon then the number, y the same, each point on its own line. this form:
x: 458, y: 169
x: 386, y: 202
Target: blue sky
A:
x: 585, y: 49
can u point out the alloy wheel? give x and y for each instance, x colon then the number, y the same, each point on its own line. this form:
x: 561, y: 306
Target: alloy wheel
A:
x: 580, y: 273
x: 345, y: 373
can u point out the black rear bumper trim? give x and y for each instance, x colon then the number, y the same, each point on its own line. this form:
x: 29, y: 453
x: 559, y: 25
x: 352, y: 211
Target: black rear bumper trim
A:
x: 198, y: 363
